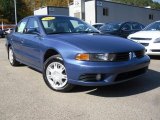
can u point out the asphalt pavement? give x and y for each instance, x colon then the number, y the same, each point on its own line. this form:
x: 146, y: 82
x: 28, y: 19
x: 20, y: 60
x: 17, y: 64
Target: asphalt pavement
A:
x: 24, y: 96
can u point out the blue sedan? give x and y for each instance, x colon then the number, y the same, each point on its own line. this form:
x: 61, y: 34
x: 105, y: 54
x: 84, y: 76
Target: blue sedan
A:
x: 70, y: 52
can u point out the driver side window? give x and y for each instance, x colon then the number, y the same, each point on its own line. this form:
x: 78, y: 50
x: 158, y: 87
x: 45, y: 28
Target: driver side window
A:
x: 20, y: 28
x: 32, y: 25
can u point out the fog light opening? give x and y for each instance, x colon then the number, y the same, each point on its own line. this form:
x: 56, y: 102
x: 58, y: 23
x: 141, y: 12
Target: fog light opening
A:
x: 98, y: 77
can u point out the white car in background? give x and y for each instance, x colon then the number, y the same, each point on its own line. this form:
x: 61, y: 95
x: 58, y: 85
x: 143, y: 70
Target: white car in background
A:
x: 8, y: 30
x: 149, y: 37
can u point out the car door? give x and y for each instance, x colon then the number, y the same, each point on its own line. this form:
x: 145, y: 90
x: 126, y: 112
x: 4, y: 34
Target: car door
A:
x: 31, y: 43
x: 17, y: 39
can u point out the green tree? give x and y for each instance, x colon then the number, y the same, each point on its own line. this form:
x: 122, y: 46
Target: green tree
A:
x: 140, y: 3
x: 26, y: 7
x: 35, y: 4
x: 7, y: 9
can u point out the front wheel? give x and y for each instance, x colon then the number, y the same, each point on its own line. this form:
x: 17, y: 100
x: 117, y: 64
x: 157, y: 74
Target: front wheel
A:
x: 55, y: 75
x: 12, y: 58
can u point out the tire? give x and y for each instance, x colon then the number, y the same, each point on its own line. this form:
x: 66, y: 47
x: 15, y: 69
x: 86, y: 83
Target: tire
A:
x: 12, y: 58
x: 55, y: 76
x: 2, y: 36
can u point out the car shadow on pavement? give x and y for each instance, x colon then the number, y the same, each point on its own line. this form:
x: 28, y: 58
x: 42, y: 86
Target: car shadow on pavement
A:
x: 22, y: 65
x: 34, y: 69
x: 147, y: 82
x: 155, y: 57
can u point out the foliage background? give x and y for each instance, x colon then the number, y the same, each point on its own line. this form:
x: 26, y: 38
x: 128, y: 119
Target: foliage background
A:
x: 26, y: 7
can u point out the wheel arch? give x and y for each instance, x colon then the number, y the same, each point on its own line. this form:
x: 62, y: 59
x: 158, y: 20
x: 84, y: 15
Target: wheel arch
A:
x: 50, y: 52
x: 9, y: 45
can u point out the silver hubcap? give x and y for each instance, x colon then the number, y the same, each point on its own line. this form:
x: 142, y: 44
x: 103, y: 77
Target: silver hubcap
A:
x: 56, y: 75
x: 10, y: 55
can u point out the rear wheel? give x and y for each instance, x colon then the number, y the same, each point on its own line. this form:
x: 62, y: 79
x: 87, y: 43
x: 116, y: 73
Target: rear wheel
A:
x: 55, y: 75
x: 12, y: 58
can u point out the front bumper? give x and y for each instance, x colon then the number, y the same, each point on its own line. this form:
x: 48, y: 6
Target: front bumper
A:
x: 153, y: 49
x: 110, y: 70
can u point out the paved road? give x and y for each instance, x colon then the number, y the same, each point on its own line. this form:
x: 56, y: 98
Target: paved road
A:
x: 24, y: 96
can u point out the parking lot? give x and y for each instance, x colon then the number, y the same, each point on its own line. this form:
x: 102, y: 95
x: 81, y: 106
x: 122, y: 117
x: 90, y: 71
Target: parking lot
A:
x: 24, y: 96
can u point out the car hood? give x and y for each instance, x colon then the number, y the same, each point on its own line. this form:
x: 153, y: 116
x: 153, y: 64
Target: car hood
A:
x: 145, y: 34
x: 96, y: 43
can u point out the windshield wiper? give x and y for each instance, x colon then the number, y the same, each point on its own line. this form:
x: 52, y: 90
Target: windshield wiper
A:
x: 74, y: 32
x: 59, y: 33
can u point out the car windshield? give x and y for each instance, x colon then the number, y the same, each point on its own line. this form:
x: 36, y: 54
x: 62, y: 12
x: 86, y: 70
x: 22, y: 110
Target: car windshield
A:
x: 153, y: 27
x: 111, y: 27
x: 57, y: 25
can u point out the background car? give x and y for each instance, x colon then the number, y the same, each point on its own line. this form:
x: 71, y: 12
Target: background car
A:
x: 98, y: 25
x: 122, y: 29
x: 149, y: 37
x: 70, y: 52
x: 2, y: 33
x: 8, y: 30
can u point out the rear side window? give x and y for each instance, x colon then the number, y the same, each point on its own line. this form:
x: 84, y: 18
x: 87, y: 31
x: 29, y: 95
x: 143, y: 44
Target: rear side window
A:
x: 21, y: 26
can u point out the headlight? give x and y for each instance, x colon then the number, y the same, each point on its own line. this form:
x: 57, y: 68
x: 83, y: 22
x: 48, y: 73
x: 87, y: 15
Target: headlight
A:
x: 157, y: 40
x: 128, y: 37
x: 96, y: 57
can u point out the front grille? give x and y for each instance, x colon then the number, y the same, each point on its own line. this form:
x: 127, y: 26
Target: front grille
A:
x: 155, y: 50
x: 136, y: 38
x: 122, y: 57
x: 145, y: 44
x: 131, y: 74
x: 140, y: 54
x: 126, y: 56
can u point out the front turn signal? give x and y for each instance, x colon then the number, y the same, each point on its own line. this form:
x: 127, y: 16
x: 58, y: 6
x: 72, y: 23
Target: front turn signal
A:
x: 82, y: 57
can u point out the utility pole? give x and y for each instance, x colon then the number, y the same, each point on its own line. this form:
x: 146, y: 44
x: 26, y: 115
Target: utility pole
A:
x: 68, y: 2
x: 2, y: 22
x: 15, y: 11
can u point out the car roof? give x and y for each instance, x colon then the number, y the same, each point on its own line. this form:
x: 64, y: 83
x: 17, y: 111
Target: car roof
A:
x: 121, y: 22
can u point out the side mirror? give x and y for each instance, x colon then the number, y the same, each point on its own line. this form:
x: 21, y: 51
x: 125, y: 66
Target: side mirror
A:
x: 31, y: 31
